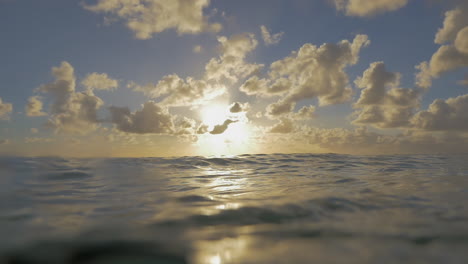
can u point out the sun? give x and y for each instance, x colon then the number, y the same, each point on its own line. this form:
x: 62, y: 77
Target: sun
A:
x: 234, y: 140
x: 213, y: 115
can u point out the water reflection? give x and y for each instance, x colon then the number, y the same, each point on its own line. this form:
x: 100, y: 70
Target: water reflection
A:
x: 252, y: 209
x: 227, y: 250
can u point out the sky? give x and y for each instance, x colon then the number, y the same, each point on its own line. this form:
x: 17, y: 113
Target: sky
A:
x: 133, y: 78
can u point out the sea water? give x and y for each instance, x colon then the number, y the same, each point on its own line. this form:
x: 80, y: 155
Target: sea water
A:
x: 279, y: 208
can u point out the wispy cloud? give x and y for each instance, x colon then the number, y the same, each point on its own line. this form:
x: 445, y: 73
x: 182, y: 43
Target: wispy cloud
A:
x: 34, y: 107
x: 99, y: 81
x: 270, y: 39
x: 5, y: 109
x: 366, y: 8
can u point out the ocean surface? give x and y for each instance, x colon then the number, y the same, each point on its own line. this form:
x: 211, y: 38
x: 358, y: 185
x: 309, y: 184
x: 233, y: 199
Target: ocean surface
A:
x: 294, y: 208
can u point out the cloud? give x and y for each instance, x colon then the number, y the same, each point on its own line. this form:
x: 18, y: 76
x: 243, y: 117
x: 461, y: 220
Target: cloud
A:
x: 455, y: 20
x: 34, y: 107
x: 423, y: 76
x: 363, y: 141
x: 99, y: 81
x: 239, y: 107
x: 71, y: 111
x: 366, y: 8
x: 306, y: 112
x: 5, y: 110
x: 282, y: 107
x: 197, y: 49
x: 382, y: 103
x: 262, y: 87
x: 179, y: 92
x: 453, y: 54
x: 444, y: 115
x: 219, y: 129
x: 34, y: 130
x: 231, y: 65
x: 38, y: 140
x: 4, y: 142
x: 465, y: 81
x: 254, y: 86
x: 311, y: 72
x: 202, y: 129
x: 185, y: 127
x: 270, y: 39
x: 148, y: 17
x: 151, y: 119
x: 284, y: 126
x: 461, y: 42
x: 447, y: 58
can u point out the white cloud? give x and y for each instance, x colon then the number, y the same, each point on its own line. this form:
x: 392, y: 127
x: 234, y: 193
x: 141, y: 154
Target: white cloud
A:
x: 197, y: 49
x: 461, y: 41
x: 444, y: 115
x: 455, y: 20
x: 229, y: 66
x: 239, y: 107
x: 34, y: 130
x: 447, y: 58
x: 270, y: 39
x: 179, y: 92
x: 367, y: 8
x: 465, y: 81
x: 151, y: 119
x: 382, y: 103
x: 99, y: 81
x: 306, y: 112
x: 451, y: 56
x: 34, y: 107
x: 5, y: 110
x: 71, y: 111
x: 262, y: 87
x: 310, y: 72
x: 38, y: 140
x: 231, y: 63
x: 148, y: 17
x: 423, y: 76
x: 185, y: 126
x: 202, y: 129
x: 4, y: 142
x: 363, y: 141
x: 254, y: 86
x: 284, y: 126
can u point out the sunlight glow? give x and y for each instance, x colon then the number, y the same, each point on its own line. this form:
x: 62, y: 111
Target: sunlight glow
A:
x: 215, y: 259
x: 213, y: 115
x: 234, y: 140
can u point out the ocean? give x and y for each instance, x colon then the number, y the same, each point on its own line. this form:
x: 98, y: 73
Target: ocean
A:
x: 275, y: 208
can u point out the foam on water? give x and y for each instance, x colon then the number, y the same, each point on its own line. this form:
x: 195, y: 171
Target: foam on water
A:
x: 295, y: 208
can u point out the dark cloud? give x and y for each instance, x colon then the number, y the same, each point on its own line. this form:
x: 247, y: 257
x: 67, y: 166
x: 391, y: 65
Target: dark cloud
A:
x: 219, y: 129
x: 150, y: 119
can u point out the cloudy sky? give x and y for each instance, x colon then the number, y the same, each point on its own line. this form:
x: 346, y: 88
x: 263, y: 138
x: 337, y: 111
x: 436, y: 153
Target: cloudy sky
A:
x: 199, y: 77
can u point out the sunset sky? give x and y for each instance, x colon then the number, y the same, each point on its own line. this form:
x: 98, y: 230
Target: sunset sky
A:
x: 198, y: 77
